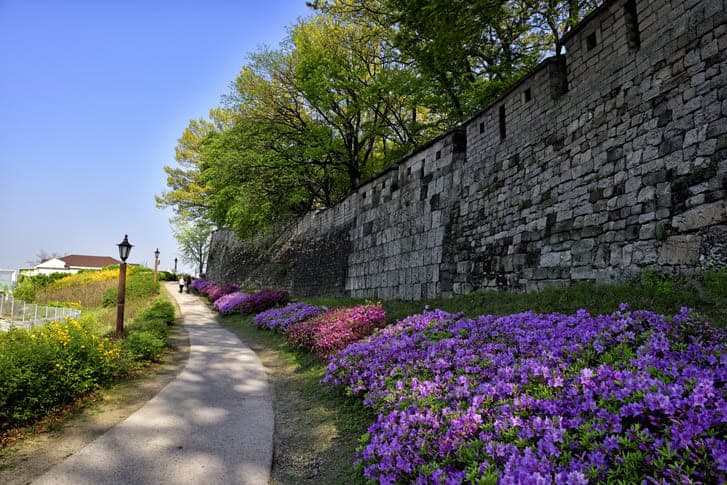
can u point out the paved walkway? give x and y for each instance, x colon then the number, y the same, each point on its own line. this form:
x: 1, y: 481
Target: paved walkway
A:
x: 213, y: 424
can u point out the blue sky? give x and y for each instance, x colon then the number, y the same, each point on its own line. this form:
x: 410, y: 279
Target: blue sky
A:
x: 93, y: 96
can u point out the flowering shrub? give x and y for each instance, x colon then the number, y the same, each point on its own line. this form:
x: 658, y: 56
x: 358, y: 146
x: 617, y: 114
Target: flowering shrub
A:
x: 213, y: 292
x: 333, y: 330
x: 262, y: 300
x: 248, y: 303
x: 281, y: 318
x: 51, y: 365
x: 530, y: 398
x: 83, y: 278
x: 230, y: 303
x: 200, y: 285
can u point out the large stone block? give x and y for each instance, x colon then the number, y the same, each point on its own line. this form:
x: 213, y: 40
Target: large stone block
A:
x: 553, y: 259
x: 702, y: 216
x: 680, y: 250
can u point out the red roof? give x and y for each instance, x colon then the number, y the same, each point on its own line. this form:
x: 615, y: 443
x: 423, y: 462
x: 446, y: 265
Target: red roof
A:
x: 80, y: 261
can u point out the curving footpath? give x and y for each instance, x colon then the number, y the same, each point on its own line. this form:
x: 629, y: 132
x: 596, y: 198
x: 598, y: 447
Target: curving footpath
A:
x: 213, y: 424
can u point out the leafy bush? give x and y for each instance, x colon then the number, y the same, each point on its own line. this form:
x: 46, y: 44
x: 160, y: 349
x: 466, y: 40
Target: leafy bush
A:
x: 629, y: 397
x: 110, y: 297
x: 330, y: 332
x: 55, y: 364
x: 167, y: 276
x: 160, y: 310
x: 145, y: 345
x: 281, y: 318
x: 139, y: 284
x: 28, y: 286
x: 48, y: 366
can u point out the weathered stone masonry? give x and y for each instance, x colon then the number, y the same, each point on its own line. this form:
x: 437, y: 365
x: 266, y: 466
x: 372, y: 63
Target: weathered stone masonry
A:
x: 599, y: 164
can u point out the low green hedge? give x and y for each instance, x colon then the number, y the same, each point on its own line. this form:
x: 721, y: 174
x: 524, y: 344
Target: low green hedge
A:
x: 167, y: 276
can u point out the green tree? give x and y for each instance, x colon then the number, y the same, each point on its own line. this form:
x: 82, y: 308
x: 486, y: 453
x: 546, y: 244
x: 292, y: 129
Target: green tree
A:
x: 351, y: 90
x: 186, y: 194
x: 312, y: 119
x: 193, y: 237
x: 468, y: 51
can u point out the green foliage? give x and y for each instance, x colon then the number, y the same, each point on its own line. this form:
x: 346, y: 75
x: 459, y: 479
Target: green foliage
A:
x: 139, y: 284
x: 656, y: 293
x: 193, y: 237
x: 160, y: 310
x: 715, y: 283
x: 110, y: 297
x: 352, y: 88
x: 28, y: 286
x: 49, y: 366
x: 186, y: 192
x: 167, y: 276
x: 144, y: 345
x: 146, y: 336
x: 52, y: 365
x: 467, y: 51
x: 63, y: 304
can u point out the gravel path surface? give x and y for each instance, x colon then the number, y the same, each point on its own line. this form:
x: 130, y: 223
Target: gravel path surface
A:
x: 212, y: 424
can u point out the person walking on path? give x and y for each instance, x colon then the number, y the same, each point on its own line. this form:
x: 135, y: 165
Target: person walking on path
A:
x: 212, y: 424
x: 188, y: 282
x: 181, y: 283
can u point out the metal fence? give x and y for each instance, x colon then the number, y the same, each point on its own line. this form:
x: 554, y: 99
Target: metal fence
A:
x: 17, y: 313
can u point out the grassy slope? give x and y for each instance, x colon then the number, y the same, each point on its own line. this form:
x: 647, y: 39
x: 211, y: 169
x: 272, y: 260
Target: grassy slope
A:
x: 661, y: 296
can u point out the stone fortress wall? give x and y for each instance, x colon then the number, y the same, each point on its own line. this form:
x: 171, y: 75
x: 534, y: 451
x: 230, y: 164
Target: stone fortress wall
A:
x: 599, y: 164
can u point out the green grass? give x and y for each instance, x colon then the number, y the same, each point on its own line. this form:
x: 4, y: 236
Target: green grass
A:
x: 706, y: 294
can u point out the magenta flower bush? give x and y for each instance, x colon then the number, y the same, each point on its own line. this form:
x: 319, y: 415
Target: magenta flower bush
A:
x: 332, y: 331
x: 230, y: 303
x: 200, y: 285
x: 213, y: 292
x: 263, y: 300
x: 281, y: 318
x: 630, y: 397
x: 248, y: 303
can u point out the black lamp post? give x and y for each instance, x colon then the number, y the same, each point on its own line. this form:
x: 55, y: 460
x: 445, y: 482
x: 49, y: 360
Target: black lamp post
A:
x: 156, y: 264
x: 124, y: 250
x: 175, y: 266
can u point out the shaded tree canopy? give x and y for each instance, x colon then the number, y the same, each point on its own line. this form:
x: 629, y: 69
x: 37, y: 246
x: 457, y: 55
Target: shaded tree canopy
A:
x: 349, y: 91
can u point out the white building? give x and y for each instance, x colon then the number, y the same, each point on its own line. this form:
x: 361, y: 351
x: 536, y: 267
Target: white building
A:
x: 70, y: 264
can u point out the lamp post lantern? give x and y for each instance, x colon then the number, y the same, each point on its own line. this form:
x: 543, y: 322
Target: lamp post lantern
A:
x: 175, y: 266
x: 124, y: 250
x: 156, y: 265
